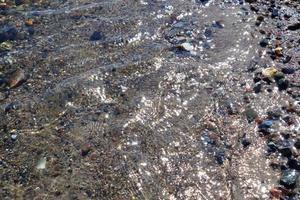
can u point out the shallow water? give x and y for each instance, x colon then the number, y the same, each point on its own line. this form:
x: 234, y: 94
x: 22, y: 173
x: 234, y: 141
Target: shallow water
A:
x: 153, y: 113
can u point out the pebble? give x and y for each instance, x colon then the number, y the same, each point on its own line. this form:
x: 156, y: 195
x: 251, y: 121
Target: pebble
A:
x: 246, y: 142
x: 288, y: 70
x: 187, y: 46
x: 283, y: 84
x: 274, y: 114
x: 269, y: 72
x: 294, y: 164
x: 297, y: 143
x: 9, y: 34
x: 250, y: 114
x: 264, y: 42
x: 294, y: 26
x: 257, y: 88
x: 86, y: 148
x: 266, y: 124
x: 289, y: 178
x: 14, y: 137
x: 278, y: 76
x: 97, y: 36
x: 272, y: 147
x: 16, y: 78
x: 42, y: 163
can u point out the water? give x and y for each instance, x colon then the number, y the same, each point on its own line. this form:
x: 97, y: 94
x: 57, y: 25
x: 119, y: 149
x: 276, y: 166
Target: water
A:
x: 153, y: 113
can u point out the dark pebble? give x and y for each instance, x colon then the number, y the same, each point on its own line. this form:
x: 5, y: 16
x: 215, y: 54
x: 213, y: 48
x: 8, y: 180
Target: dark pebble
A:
x: 294, y: 164
x: 246, y: 142
x: 294, y: 27
x: 9, y: 34
x: 288, y: 70
x: 272, y: 147
x: 297, y: 143
x: 97, y: 36
x: 287, y: 59
x: 275, y: 13
x: 278, y: 76
x: 285, y: 148
x: 264, y: 42
x: 86, y: 149
x: 283, y: 84
x: 19, y: 2
x: 220, y: 157
x: 257, y: 88
x: 289, y: 178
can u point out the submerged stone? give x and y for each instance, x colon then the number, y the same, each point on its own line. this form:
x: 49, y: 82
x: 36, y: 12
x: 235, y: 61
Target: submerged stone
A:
x: 289, y: 178
x: 97, y: 36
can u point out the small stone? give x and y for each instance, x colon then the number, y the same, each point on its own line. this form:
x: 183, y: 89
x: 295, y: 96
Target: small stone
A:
x: 9, y: 34
x: 297, y: 143
x: 269, y: 72
x: 29, y: 22
x: 265, y: 124
x: 97, y: 36
x: 283, y: 84
x: 294, y: 164
x: 294, y: 26
x: 272, y: 147
x: 250, y: 114
x: 264, y: 42
x: 257, y: 88
x: 286, y: 148
x: 289, y: 178
x: 220, y: 157
x: 275, y: 13
x: 260, y: 18
x: 187, y: 46
x: 278, y: 76
x: 246, y: 142
x: 278, y: 51
x: 16, y: 78
x: 19, y: 2
x: 288, y: 70
x: 42, y: 163
x: 86, y: 148
x: 14, y: 137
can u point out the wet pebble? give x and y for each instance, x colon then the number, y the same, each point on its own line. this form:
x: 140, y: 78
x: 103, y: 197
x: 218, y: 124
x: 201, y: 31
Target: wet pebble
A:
x: 294, y: 164
x: 266, y: 124
x: 16, y: 78
x: 257, y: 88
x: 264, y: 42
x: 272, y: 147
x: 283, y: 84
x: 14, y: 137
x: 294, y: 27
x: 246, y: 142
x: 285, y: 148
x: 9, y: 33
x: 289, y: 178
x: 86, y: 148
x: 297, y: 143
x: 288, y: 70
x: 97, y: 36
